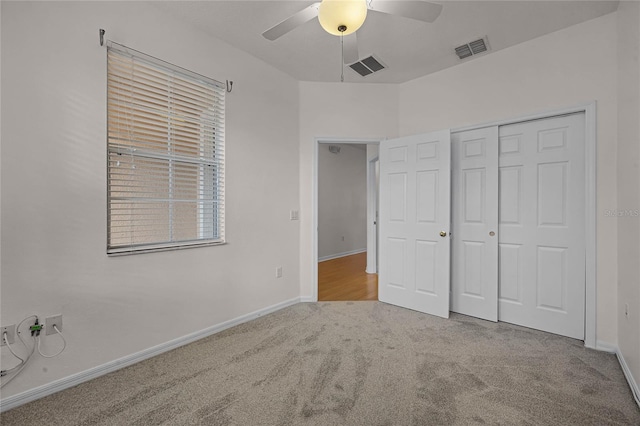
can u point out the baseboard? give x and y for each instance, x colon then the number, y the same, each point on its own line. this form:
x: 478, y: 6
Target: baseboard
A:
x: 75, y: 379
x: 343, y: 254
x: 605, y: 347
x: 629, y: 376
x: 307, y: 299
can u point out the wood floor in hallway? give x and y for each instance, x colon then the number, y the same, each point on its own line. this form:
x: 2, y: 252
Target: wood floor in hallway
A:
x: 345, y: 279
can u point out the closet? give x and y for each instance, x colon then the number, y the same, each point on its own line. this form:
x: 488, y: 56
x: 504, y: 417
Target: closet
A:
x: 518, y: 224
x: 488, y: 222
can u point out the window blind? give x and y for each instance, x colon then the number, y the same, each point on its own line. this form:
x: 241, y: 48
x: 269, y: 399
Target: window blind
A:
x: 165, y: 154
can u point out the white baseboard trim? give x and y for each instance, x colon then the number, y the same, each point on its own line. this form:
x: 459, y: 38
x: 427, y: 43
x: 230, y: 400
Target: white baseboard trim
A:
x: 343, y: 254
x: 92, y: 373
x: 605, y: 347
x: 307, y: 299
x: 608, y: 347
x: 627, y: 374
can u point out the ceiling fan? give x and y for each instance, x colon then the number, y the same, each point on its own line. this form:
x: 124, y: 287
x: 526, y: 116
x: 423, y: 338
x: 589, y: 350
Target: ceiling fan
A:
x: 344, y: 17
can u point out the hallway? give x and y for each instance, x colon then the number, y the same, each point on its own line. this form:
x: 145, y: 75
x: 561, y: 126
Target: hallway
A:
x: 345, y: 278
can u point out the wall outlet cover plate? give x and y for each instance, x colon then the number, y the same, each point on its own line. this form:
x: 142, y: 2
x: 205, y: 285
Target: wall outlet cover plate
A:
x: 11, y: 334
x: 49, y: 322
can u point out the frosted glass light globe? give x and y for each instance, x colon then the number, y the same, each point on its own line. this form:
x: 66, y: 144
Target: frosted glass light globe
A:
x: 334, y: 14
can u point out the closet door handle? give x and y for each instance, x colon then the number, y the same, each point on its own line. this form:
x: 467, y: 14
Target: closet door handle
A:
x: 443, y: 234
x: 492, y: 233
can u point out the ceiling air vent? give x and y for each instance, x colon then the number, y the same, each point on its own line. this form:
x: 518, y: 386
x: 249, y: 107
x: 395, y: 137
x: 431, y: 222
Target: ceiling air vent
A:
x: 473, y: 48
x: 367, y: 66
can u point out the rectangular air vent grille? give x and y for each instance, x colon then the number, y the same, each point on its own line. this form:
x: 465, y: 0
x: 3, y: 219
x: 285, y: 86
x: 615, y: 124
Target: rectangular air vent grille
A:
x: 372, y: 64
x: 360, y: 69
x: 473, y: 48
x: 367, y: 66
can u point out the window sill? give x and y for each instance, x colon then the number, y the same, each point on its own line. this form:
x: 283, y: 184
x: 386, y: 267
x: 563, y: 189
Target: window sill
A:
x: 150, y: 249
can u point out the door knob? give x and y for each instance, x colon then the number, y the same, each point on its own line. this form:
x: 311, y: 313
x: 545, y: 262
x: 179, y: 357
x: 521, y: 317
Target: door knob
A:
x: 443, y: 234
x: 492, y: 233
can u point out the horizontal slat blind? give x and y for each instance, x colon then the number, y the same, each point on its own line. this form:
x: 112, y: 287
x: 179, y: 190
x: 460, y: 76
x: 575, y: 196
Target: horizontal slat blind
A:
x: 165, y: 154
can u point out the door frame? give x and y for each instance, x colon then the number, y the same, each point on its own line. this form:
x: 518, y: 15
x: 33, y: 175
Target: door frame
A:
x: 372, y: 218
x: 314, y: 198
x: 589, y: 109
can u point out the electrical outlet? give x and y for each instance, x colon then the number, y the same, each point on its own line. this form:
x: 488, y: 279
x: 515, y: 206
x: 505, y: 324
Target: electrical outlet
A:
x: 294, y: 215
x: 279, y: 272
x: 626, y: 310
x: 11, y: 334
x: 49, y: 322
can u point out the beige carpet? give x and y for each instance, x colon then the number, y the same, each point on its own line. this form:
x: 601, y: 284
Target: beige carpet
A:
x: 362, y: 363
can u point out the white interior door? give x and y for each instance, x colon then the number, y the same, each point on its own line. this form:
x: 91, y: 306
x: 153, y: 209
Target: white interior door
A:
x: 414, y: 222
x: 541, y: 233
x: 474, y: 217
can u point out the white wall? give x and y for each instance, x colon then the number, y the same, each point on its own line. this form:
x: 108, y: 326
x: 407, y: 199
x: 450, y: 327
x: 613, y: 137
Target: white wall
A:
x: 342, y: 200
x: 629, y: 184
x: 0, y: 156
x: 562, y: 69
x: 53, y: 177
x: 343, y: 111
x: 54, y: 189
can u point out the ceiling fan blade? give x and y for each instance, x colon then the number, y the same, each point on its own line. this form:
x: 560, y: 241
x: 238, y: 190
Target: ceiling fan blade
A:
x: 351, y: 49
x: 292, y: 22
x: 412, y: 9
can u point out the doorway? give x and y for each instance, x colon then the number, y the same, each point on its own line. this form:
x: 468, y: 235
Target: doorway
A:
x: 345, y: 195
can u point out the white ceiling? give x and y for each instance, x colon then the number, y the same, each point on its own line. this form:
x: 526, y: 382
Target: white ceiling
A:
x: 408, y: 48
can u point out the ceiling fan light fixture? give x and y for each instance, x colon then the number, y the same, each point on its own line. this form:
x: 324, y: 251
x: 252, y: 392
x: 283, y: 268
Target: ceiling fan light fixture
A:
x: 342, y: 17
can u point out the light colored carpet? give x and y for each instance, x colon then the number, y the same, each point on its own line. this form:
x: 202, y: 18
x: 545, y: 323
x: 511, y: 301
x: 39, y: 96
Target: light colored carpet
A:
x: 355, y: 363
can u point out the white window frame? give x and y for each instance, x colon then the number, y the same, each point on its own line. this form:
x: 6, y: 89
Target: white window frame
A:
x: 138, y: 219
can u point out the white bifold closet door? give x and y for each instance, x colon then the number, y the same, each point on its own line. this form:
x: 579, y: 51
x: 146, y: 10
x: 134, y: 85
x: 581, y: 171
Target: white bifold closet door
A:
x: 538, y: 249
x: 542, y: 225
x: 414, y: 222
x: 474, y: 220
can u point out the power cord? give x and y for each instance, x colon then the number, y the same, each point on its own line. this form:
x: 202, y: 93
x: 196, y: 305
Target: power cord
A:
x: 6, y: 341
x: 34, y: 330
x: 64, y: 345
x: 23, y: 363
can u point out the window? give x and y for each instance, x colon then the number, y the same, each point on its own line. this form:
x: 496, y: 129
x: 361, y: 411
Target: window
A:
x: 165, y: 155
